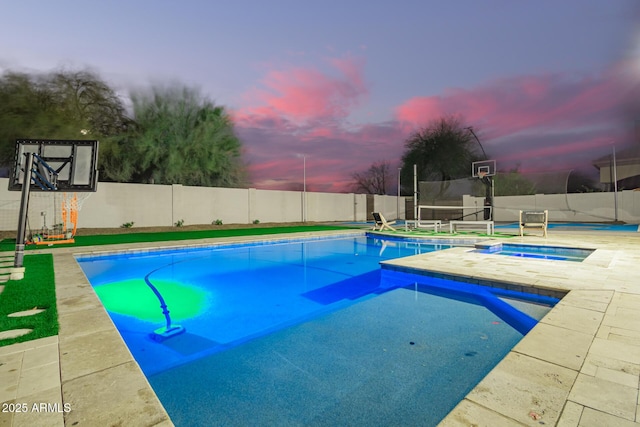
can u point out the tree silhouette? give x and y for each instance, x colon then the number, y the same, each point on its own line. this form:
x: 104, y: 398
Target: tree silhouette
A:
x: 443, y: 150
x: 374, y: 180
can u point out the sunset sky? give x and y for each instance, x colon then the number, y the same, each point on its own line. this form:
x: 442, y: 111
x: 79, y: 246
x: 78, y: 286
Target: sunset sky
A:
x: 546, y: 84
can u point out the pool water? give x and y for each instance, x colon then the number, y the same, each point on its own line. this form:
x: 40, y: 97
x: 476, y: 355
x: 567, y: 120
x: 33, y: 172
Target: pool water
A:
x: 227, y: 295
x: 308, y: 332
x: 555, y: 253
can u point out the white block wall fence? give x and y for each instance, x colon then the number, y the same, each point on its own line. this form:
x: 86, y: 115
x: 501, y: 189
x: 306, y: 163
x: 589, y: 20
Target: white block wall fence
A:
x: 573, y: 207
x: 149, y: 205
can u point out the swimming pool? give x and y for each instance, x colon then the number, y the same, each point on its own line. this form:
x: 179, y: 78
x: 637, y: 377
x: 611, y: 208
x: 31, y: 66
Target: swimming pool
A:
x: 555, y: 253
x: 306, y: 332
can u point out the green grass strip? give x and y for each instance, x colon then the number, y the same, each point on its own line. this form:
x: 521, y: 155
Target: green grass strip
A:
x: 36, y: 290
x: 143, y: 237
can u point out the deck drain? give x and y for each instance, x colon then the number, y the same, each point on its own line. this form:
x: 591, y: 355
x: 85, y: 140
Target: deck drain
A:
x: 14, y: 333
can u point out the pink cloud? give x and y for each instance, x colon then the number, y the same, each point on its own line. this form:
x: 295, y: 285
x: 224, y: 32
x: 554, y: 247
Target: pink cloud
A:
x: 565, y: 150
x: 539, y: 122
x: 508, y: 106
x: 519, y: 118
x: 302, y: 95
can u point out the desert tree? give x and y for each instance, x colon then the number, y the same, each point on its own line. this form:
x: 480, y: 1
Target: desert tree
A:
x: 374, y: 180
x: 442, y: 150
x: 177, y: 136
x: 58, y: 105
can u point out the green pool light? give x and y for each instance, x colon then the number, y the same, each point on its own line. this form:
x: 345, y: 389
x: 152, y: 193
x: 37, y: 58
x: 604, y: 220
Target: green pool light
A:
x: 133, y: 297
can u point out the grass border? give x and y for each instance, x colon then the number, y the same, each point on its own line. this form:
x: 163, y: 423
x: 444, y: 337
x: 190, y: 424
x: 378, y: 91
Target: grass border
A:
x: 36, y: 290
x: 167, y: 236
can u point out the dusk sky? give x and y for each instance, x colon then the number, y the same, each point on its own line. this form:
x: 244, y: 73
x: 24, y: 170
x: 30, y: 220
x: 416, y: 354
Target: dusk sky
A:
x: 546, y: 84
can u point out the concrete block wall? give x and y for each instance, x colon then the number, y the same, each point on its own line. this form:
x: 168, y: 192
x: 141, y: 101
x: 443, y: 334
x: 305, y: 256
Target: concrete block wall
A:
x: 575, y: 207
x: 205, y: 205
x: 117, y: 203
x: 388, y: 206
x: 274, y: 206
x: 147, y: 205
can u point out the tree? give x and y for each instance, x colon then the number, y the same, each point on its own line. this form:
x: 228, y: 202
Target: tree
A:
x: 83, y: 96
x: 374, y: 180
x: 444, y: 150
x: 581, y: 182
x: 61, y: 105
x: 178, y: 136
x: 513, y: 183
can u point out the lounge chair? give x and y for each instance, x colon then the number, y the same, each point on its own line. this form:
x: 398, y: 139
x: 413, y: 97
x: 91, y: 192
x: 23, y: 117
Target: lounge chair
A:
x: 534, y: 219
x: 381, y: 223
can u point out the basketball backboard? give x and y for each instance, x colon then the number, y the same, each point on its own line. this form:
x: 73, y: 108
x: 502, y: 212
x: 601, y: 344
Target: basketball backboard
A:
x: 75, y: 161
x: 484, y: 167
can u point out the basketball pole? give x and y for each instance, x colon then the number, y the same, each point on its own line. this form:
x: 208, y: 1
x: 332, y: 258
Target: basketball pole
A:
x: 490, y: 193
x: 18, y: 265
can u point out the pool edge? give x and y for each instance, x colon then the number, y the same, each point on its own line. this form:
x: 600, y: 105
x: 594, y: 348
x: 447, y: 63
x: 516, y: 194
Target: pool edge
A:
x: 475, y: 407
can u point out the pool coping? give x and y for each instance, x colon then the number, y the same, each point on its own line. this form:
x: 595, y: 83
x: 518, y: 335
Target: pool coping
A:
x: 535, y: 382
x: 580, y: 365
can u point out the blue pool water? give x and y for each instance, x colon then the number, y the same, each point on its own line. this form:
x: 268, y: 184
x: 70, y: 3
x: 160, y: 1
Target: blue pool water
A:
x: 308, y: 332
x: 555, y: 253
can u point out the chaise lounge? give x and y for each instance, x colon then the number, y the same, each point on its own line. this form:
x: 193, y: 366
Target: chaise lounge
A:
x: 381, y: 223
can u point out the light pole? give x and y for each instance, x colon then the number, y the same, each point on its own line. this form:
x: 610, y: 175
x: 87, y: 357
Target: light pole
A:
x: 398, y: 199
x: 415, y: 192
x: 615, y: 185
x: 304, y: 188
x: 304, y: 185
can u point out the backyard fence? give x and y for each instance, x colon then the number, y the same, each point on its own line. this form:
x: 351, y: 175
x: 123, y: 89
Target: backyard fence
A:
x: 147, y: 205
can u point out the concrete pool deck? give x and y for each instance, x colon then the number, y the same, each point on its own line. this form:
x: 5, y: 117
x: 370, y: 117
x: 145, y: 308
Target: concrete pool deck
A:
x: 580, y: 366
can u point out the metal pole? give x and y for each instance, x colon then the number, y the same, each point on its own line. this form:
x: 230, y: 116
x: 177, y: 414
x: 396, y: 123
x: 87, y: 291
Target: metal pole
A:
x: 491, y: 188
x: 493, y: 196
x: 415, y: 192
x: 398, y: 198
x: 24, y: 207
x: 304, y: 188
x: 615, y: 185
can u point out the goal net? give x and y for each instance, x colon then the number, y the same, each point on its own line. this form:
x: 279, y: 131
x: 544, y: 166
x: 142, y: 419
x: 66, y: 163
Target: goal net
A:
x: 52, y: 217
x: 509, y: 192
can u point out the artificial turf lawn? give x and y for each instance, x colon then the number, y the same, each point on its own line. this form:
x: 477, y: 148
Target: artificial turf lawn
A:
x: 36, y: 290
x: 114, y: 239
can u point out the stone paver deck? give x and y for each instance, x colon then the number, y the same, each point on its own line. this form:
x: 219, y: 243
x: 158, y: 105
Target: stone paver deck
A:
x: 580, y: 366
